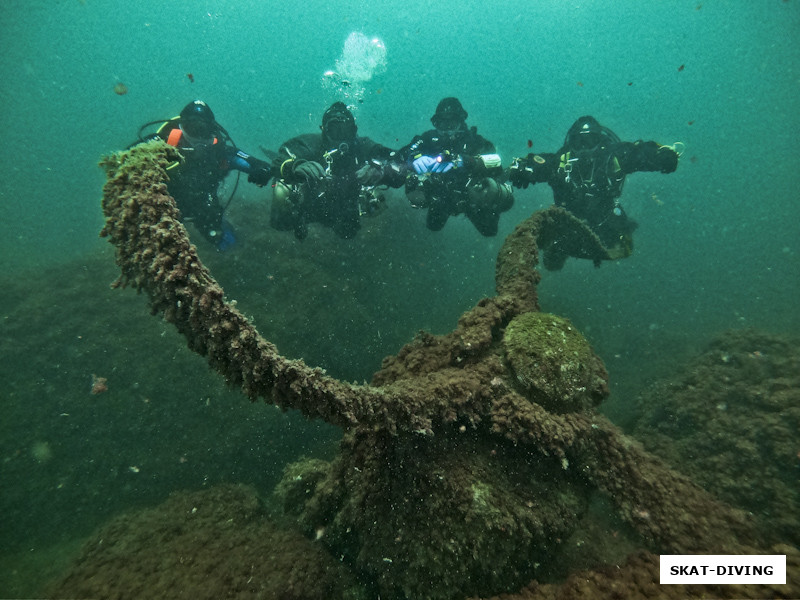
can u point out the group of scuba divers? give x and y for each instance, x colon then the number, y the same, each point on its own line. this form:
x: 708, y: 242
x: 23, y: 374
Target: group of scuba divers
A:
x: 336, y: 176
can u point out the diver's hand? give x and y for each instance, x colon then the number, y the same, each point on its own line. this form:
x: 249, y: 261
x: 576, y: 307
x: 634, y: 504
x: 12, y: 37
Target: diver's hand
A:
x: 260, y: 177
x: 667, y: 159
x: 370, y: 174
x: 423, y: 164
x: 310, y: 170
x: 431, y: 164
x: 517, y: 173
x: 441, y: 165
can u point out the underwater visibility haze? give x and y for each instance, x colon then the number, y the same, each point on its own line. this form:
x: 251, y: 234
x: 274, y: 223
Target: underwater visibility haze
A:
x: 112, y: 426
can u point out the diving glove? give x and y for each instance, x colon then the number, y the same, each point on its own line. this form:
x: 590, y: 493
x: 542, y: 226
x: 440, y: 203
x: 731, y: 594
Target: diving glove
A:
x: 432, y: 164
x: 667, y: 159
x: 308, y: 169
x: 423, y: 164
x: 441, y: 165
x: 518, y: 175
x: 260, y: 177
x: 370, y: 174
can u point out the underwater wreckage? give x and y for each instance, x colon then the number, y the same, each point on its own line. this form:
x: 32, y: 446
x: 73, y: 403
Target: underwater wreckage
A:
x: 470, y: 456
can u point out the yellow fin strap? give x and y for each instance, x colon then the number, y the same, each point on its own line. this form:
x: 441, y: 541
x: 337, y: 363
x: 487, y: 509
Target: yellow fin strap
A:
x: 678, y: 148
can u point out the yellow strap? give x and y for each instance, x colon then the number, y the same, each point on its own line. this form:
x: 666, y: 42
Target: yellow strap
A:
x: 283, y: 164
x: 678, y: 148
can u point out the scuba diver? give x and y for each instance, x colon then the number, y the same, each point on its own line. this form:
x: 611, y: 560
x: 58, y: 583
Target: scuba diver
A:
x: 457, y: 172
x: 331, y: 177
x: 587, y: 175
x: 208, y: 155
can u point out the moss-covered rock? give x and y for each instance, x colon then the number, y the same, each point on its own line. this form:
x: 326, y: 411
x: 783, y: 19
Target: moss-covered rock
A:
x: 554, y: 363
x: 729, y: 420
x: 215, y: 543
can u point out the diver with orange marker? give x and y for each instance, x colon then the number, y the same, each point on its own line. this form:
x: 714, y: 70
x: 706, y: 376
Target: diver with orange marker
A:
x: 209, y: 154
